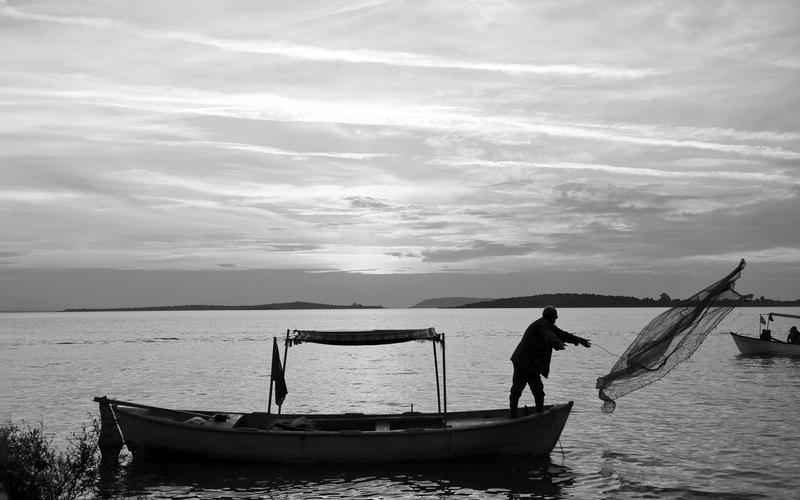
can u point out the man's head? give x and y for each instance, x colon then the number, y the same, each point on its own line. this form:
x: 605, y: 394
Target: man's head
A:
x: 793, y: 329
x: 550, y: 313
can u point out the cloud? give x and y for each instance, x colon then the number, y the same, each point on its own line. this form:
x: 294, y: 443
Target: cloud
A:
x: 628, y: 171
x: 273, y: 107
x: 351, y: 56
x: 248, y: 148
x: 36, y: 196
x: 292, y: 247
x: 752, y: 229
x: 367, y: 202
x: 478, y: 249
x: 404, y: 59
x: 94, y: 22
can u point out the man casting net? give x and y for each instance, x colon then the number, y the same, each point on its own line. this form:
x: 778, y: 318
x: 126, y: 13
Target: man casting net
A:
x: 670, y: 338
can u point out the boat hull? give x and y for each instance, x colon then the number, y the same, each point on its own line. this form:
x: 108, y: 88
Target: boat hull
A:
x: 466, y: 434
x: 751, y: 345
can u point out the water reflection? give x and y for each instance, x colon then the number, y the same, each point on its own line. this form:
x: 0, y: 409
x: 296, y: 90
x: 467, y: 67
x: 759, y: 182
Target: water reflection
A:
x: 757, y: 362
x: 520, y: 478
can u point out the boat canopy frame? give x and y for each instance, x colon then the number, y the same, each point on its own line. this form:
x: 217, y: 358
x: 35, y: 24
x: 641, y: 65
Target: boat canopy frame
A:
x: 764, y: 319
x: 369, y: 338
x: 781, y: 315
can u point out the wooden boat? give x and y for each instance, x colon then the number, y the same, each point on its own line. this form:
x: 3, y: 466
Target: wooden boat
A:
x: 150, y: 432
x: 262, y: 437
x: 766, y: 345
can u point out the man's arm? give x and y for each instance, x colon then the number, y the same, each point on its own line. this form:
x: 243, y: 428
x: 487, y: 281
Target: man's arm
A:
x: 550, y: 336
x: 571, y: 338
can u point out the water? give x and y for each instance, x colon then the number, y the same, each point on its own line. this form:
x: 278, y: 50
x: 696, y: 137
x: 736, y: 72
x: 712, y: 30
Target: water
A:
x: 720, y: 425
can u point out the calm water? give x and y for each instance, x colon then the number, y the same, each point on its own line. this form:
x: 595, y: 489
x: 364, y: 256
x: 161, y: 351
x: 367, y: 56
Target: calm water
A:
x: 719, y: 426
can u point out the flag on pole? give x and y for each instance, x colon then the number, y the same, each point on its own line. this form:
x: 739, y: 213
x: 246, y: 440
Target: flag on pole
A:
x: 277, y: 374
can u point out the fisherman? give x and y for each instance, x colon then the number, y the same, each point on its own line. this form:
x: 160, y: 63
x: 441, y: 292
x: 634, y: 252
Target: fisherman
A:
x: 794, y: 336
x: 531, y: 358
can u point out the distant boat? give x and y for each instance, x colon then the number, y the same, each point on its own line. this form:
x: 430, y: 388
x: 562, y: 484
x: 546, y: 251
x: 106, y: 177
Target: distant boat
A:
x: 150, y: 431
x: 767, y: 345
x: 752, y: 345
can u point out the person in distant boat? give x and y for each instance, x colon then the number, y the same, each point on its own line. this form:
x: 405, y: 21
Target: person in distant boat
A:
x: 765, y: 334
x: 794, y: 336
x: 531, y: 358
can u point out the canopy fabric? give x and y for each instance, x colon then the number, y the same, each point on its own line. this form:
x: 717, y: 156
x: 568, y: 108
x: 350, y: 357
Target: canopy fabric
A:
x: 783, y: 315
x: 670, y: 338
x: 362, y: 337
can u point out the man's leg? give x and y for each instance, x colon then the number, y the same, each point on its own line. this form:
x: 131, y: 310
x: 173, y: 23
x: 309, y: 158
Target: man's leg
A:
x: 537, y: 388
x: 518, y: 382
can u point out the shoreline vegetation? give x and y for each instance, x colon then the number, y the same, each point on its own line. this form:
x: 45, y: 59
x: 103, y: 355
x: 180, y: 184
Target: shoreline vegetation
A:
x: 203, y: 307
x: 565, y: 300
x: 32, y: 467
x: 595, y: 300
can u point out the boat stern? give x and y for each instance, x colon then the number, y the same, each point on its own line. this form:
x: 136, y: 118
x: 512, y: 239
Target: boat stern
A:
x: 110, y: 440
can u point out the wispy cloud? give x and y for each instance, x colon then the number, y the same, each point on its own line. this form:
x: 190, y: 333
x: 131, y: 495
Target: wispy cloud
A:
x: 352, y: 56
x: 36, y: 196
x: 275, y: 107
x: 405, y: 59
x: 15, y: 13
x: 476, y: 250
x: 237, y: 146
x: 783, y: 255
x: 630, y: 171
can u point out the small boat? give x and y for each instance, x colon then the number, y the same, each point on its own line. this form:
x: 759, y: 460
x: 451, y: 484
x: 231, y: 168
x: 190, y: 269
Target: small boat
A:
x: 765, y: 344
x: 151, y: 432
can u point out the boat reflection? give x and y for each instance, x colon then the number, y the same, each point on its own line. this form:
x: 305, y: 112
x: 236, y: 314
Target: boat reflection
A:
x: 507, y: 478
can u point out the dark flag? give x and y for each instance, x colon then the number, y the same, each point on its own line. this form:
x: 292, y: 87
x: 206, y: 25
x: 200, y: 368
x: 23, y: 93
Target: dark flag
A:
x: 277, y: 374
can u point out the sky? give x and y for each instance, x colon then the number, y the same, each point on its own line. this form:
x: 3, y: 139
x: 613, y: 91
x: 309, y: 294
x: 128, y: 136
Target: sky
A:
x: 161, y: 153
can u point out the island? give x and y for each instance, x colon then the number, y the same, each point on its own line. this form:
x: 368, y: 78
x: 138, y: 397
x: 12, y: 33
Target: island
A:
x: 449, y: 302
x: 591, y: 300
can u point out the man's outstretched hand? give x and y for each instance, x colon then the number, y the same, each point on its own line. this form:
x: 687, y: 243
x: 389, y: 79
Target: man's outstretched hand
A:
x: 585, y: 343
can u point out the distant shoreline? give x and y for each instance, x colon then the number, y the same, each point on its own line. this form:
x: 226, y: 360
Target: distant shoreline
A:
x: 566, y: 300
x: 323, y: 307
x: 256, y: 308
x: 260, y: 307
x: 561, y: 300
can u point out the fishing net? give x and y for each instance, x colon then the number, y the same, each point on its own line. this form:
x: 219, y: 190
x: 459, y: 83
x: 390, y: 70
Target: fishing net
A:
x: 669, y: 339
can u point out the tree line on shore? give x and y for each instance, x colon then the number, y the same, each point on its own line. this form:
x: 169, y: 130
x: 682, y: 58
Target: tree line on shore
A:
x: 590, y: 300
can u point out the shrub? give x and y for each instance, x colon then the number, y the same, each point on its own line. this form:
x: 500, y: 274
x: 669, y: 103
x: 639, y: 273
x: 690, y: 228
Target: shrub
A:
x: 34, y: 469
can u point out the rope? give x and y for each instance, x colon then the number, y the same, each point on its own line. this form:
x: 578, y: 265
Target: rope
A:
x: 595, y: 344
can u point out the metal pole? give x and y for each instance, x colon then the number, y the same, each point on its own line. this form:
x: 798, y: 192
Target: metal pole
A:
x: 444, y: 375
x: 269, y: 399
x: 436, y: 371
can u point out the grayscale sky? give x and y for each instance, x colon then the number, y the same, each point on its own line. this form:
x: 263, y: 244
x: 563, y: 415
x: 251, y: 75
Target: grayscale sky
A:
x: 392, y: 151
